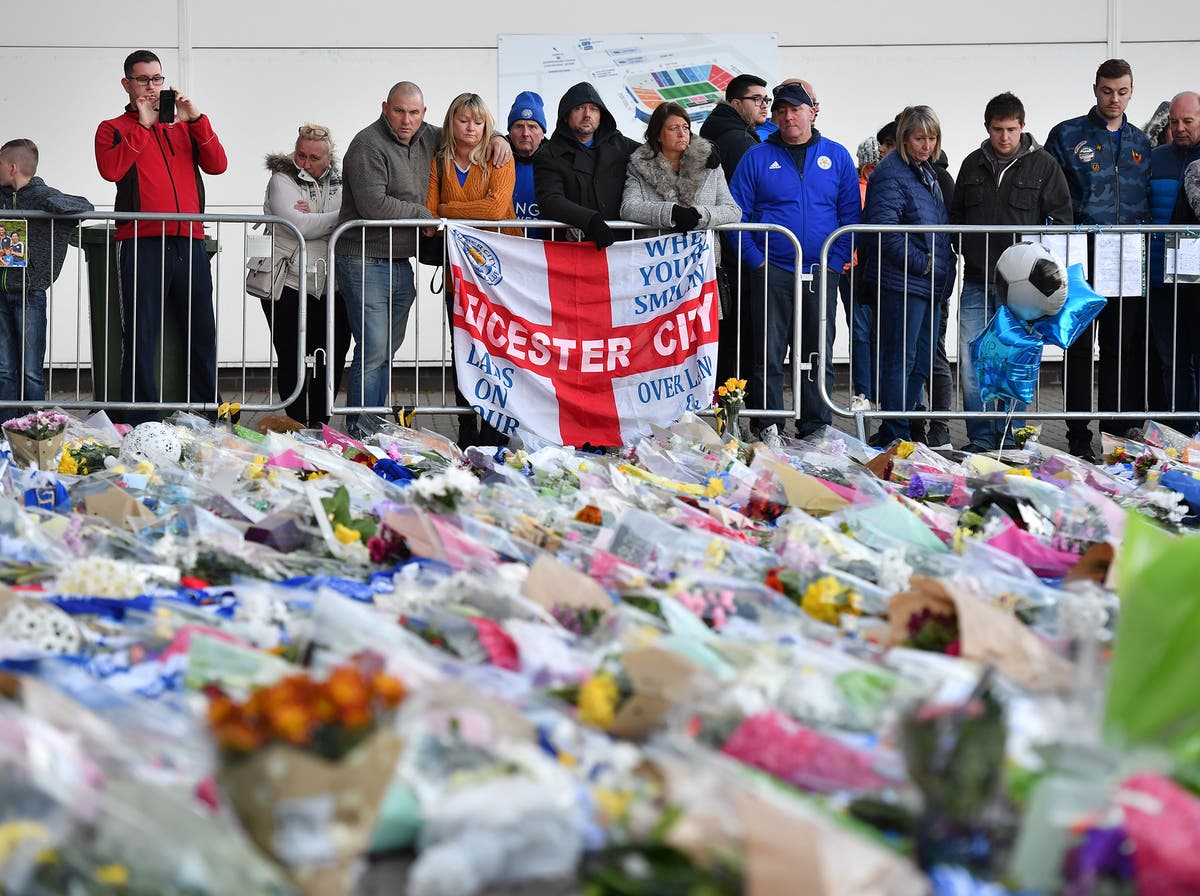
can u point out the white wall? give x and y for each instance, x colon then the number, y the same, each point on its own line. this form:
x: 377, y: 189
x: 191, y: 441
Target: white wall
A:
x: 260, y: 68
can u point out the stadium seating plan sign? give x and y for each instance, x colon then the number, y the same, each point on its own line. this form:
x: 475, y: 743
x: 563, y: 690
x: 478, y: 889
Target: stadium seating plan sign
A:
x: 634, y: 73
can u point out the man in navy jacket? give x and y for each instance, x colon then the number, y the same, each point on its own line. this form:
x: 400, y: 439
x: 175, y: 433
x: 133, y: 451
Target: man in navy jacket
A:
x: 1107, y: 164
x: 809, y: 184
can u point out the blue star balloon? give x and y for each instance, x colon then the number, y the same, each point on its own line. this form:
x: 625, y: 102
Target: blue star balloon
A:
x: 1006, y: 357
x: 1080, y: 309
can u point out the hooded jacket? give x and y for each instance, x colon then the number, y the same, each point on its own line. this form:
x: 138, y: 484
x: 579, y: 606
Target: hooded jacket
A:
x: 1031, y: 190
x: 1109, y: 177
x: 574, y: 182
x: 385, y: 180
x: 287, y: 186
x: 921, y: 264
x: 157, y: 169
x: 653, y: 189
x: 46, y: 241
x: 732, y: 136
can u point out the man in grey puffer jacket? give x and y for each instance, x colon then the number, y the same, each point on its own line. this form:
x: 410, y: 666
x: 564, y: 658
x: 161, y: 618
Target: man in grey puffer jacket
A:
x: 23, y: 289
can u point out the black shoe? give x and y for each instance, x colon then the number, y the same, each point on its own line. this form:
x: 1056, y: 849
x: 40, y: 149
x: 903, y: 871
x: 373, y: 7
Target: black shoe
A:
x: 938, y: 437
x: 975, y: 448
x: 1082, y: 449
x: 880, y: 440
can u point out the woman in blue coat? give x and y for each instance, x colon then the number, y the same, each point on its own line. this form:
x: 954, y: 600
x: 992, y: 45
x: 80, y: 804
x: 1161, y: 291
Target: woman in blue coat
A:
x: 910, y: 272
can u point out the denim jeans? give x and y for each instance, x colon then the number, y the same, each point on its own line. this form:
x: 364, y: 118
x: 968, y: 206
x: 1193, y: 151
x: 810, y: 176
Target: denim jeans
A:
x: 771, y: 314
x: 907, y: 330
x: 860, y: 321
x: 976, y: 306
x: 168, y: 275
x: 379, y: 294
x: 22, y: 360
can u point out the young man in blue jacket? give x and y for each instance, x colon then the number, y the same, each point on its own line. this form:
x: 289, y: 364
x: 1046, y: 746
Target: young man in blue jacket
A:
x: 807, y: 183
x: 1107, y: 164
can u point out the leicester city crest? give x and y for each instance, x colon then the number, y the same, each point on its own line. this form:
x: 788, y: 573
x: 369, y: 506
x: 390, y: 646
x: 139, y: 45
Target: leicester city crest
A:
x: 480, y: 256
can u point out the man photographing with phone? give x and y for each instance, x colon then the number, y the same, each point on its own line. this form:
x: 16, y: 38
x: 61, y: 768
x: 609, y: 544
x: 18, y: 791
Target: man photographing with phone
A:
x: 155, y: 155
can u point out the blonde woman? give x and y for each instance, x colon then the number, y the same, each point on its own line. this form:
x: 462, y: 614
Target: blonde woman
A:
x: 462, y: 184
x: 306, y: 189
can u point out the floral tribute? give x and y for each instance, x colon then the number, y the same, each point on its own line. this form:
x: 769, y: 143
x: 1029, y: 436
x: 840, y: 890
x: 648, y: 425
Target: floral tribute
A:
x: 328, y: 718
x: 39, y: 425
x: 728, y: 402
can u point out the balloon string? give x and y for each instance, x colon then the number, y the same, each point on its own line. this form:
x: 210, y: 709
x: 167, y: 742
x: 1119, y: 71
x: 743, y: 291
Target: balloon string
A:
x: 1012, y: 409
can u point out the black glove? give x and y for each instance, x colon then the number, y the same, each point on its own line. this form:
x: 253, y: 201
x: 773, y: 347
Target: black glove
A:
x: 599, y: 232
x: 684, y: 218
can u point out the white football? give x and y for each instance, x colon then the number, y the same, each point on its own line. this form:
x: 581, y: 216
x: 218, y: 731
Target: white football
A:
x: 156, y: 442
x: 1031, y: 280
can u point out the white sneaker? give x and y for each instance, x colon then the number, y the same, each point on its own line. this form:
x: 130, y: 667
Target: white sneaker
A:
x: 770, y: 437
x: 860, y: 403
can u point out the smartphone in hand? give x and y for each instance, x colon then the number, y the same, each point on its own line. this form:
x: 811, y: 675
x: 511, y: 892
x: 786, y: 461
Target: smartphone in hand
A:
x: 166, y: 106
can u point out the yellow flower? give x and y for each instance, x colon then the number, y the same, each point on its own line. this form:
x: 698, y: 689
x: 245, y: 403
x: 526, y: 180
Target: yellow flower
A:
x: 826, y: 599
x: 257, y: 467
x: 345, y: 534
x: 113, y: 875
x: 715, y: 487
x: 598, y: 700
x: 904, y: 449
x: 1172, y: 453
x: 612, y: 804
x: 12, y: 833
x: 68, y: 464
x: 1021, y: 471
x: 722, y: 391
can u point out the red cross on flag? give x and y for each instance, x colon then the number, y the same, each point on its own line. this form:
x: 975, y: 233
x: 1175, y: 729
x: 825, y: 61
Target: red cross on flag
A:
x: 576, y: 345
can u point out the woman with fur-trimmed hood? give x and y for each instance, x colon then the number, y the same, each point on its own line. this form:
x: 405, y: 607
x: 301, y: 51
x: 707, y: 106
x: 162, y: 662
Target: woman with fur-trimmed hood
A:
x: 305, y: 189
x: 674, y: 180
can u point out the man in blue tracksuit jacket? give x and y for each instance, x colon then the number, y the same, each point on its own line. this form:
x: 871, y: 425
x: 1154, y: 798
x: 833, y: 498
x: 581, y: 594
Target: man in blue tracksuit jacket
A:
x: 1107, y: 164
x: 1167, y: 309
x: 807, y: 183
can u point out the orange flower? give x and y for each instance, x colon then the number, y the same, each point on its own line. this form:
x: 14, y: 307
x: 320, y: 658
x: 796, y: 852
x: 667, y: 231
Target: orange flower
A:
x: 591, y: 515
x: 240, y: 736
x: 356, y: 716
x: 292, y: 722
x: 390, y: 690
x: 221, y: 709
x: 347, y: 688
x: 324, y: 710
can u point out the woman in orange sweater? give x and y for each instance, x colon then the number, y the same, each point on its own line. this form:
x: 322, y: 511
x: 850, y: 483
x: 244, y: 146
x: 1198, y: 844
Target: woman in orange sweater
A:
x: 463, y: 185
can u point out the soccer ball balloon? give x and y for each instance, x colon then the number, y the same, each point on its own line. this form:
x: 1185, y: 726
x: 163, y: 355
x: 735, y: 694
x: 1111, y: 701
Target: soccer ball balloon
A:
x: 155, y: 442
x: 1031, y: 280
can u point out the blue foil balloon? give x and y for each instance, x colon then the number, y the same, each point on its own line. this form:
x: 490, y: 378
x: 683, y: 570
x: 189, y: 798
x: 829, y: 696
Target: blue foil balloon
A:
x: 1006, y: 357
x: 1080, y: 309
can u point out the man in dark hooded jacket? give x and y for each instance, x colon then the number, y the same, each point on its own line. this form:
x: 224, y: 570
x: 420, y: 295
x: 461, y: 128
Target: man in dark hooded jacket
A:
x: 579, y: 173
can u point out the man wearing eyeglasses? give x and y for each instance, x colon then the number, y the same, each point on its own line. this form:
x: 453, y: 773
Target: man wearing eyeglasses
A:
x: 731, y: 125
x: 163, y: 264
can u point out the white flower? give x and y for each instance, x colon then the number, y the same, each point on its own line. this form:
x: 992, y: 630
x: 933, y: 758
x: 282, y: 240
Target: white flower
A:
x: 1165, y: 504
x: 102, y: 577
x: 445, y: 490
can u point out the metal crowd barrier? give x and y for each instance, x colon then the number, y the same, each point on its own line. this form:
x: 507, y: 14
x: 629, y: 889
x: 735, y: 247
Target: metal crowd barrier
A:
x: 1143, y: 319
x: 79, y: 362
x: 417, y: 364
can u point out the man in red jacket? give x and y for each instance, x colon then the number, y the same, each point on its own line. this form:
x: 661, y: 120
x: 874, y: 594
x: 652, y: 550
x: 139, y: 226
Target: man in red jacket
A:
x: 163, y: 264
